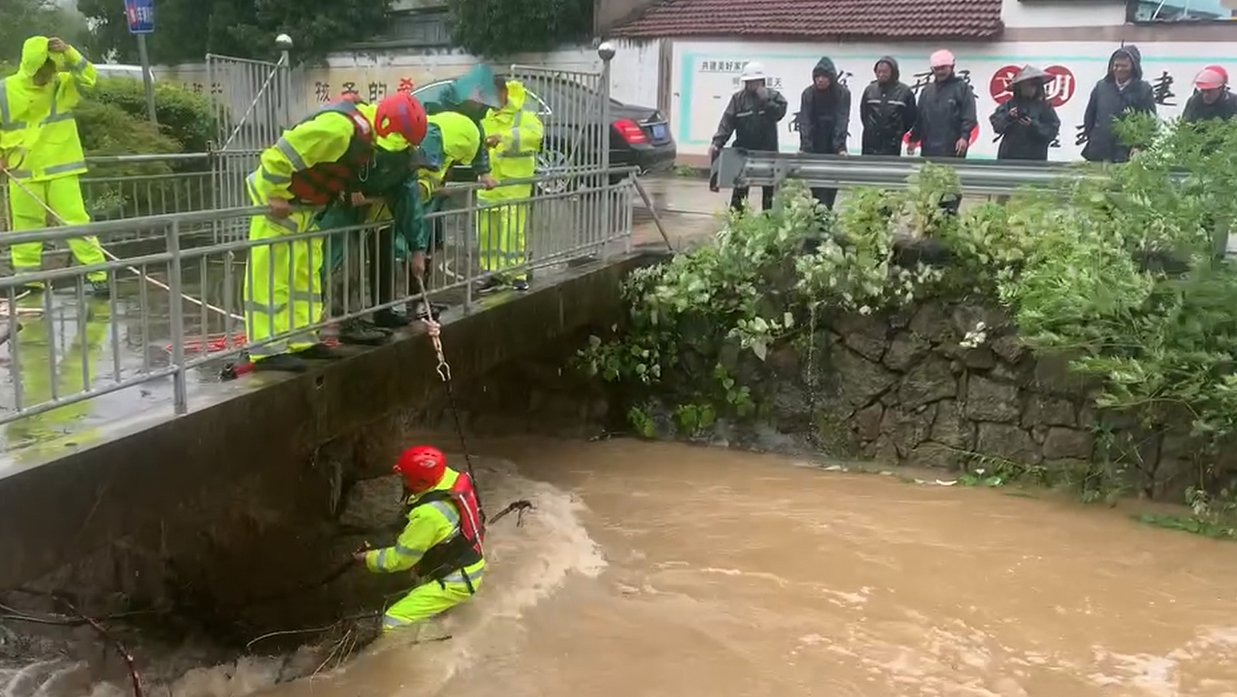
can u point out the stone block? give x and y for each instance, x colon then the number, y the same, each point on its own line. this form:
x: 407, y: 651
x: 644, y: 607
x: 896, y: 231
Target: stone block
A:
x: 979, y: 358
x: 907, y: 429
x: 1053, y: 375
x: 1043, y: 410
x: 865, y: 335
x: 930, y: 381
x: 935, y: 456
x: 373, y: 504
x: 987, y: 400
x: 1009, y: 347
x: 951, y: 427
x: 860, y: 381
x: 867, y: 421
x: 966, y: 316
x: 1068, y: 443
x: 905, y: 350
x: 1006, y: 441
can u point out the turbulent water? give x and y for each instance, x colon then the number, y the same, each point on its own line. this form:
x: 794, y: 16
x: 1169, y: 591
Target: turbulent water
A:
x: 654, y: 569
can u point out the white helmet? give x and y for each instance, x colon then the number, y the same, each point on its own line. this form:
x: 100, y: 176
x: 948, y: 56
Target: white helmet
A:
x: 754, y: 70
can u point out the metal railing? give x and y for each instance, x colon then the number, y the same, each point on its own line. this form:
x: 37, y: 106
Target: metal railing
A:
x: 993, y: 177
x: 165, y: 321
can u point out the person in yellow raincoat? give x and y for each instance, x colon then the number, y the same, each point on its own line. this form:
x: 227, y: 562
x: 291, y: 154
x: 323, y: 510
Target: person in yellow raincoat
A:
x: 514, y: 140
x: 41, y: 152
x: 321, y: 160
x: 441, y: 544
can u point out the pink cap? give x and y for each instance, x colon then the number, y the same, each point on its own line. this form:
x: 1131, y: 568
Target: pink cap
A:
x: 1209, y: 79
x: 941, y: 59
x: 1219, y: 69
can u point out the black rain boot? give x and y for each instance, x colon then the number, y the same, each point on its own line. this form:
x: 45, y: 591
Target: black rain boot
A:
x: 391, y: 319
x: 361, y: 333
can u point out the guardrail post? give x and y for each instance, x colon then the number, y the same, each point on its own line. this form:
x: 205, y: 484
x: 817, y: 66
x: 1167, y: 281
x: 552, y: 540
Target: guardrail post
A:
x: 177, y: 320
x: 606, y: 52
x: 470, y: 238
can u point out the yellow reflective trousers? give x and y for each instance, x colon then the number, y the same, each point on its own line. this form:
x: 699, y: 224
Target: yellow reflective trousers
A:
x: 64, y: 196
x: 283, y: 286
x: 431, y: 598
x: 500, y: 227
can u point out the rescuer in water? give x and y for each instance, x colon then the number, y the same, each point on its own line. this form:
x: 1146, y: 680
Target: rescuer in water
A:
x: 314, y: 163
x: 441, y: 544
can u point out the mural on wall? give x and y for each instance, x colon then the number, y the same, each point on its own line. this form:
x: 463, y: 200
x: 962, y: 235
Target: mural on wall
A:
x: 706, y: 74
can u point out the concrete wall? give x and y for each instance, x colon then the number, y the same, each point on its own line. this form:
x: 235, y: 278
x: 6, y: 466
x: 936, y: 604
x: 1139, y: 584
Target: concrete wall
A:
x: 239, y: 499
x: 1018, y: 14
x: 608, y: 13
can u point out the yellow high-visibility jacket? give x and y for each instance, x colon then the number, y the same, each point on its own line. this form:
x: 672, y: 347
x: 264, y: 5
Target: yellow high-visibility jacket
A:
x: 38, y: 134
x: 453, y: 139
x: 515, y: 155
x: 323, y: 138
x: 428, y: 525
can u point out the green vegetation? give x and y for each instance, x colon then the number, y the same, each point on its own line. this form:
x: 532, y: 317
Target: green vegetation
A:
x: 1119, y: 274
x: 189, y: 29
x: 497, y: 28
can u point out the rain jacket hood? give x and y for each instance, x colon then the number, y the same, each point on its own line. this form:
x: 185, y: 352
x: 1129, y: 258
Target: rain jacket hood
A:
x: 893, y: 66
x: 825, y: 66
x: 516, y: 96
x: 34, y: 55
x: 1135, y: 56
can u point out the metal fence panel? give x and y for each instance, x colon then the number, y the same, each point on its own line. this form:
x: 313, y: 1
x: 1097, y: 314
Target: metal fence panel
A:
x: 166, y: 320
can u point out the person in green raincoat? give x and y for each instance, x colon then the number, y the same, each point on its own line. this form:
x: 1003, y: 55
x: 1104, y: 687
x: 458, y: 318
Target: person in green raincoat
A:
x: 404, y: 190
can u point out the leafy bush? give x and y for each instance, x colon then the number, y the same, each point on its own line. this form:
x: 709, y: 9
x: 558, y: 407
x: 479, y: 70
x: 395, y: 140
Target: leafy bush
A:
x: 497, y: 28
x: 183, y: 115
x: 1119, y: 273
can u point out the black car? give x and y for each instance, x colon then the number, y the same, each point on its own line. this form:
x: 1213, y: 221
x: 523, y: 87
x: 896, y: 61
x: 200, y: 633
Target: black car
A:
x: 639, y: 136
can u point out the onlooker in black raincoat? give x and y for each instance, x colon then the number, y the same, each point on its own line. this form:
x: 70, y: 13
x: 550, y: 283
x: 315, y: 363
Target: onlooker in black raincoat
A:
x: 947, y: 117
x: 1026, y: 122
x: 1120, y: 92
x: 946, y: 112
x: 887, y: 110
x: 1211, y: 100
x: 824, y: 120
x: 751, y: 117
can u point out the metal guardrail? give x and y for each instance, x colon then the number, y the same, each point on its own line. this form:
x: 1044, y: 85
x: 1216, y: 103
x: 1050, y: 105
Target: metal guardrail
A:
x: 992, y: 177
x: 166, y: 320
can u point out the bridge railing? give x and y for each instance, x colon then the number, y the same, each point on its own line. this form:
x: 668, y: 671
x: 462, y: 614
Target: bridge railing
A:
x: 155, y: 324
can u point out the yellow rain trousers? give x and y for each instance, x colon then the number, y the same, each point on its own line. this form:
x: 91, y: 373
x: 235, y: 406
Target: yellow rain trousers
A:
x: 500, y: 222
x: 39, y: 432
x: 283, y: 283
x: 428, y: 525
x: 39, y: 140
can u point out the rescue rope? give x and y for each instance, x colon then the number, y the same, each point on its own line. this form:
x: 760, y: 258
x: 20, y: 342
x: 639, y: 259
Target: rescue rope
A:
x: 113, y: 257
x: 444, y: 372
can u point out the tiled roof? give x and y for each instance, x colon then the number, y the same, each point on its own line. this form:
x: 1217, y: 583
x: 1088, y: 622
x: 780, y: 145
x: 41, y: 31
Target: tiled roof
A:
x: 819, y: 19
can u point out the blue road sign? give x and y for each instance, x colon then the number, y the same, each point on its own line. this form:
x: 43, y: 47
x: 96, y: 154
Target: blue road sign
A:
x: 141, y: 16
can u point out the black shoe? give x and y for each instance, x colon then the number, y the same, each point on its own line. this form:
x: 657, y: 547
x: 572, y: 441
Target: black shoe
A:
x: 390, y: 319
x: 318, y: 352
x: 361, y: 333
x: 100, y: 289
x: 435, y: 310
x: 285, y: 362
x: 489, y: 285
x: 520, y: 284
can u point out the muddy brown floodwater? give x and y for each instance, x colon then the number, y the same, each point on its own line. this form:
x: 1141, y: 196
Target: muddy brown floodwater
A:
x: 659, y: 569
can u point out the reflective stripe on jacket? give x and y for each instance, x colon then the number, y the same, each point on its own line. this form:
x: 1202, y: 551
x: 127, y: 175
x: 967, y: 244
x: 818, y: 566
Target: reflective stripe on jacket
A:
x: 428, y: 525
x: 38, y: 132
x: 329, y: 141
x: 520, y: 133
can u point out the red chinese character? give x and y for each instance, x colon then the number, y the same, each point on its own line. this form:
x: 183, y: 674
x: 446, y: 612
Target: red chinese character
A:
x: 405, y: 84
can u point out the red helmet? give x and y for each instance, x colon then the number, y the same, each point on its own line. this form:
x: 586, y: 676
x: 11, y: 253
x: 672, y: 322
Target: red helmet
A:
x: 401, y: 113
x: 422, y: 467
x: 1219, y: 69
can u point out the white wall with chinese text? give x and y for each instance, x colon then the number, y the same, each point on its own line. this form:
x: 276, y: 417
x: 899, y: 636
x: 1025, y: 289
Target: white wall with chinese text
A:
x: 705, y: 74
x: 1018, y: 14
x: 634, y: 71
